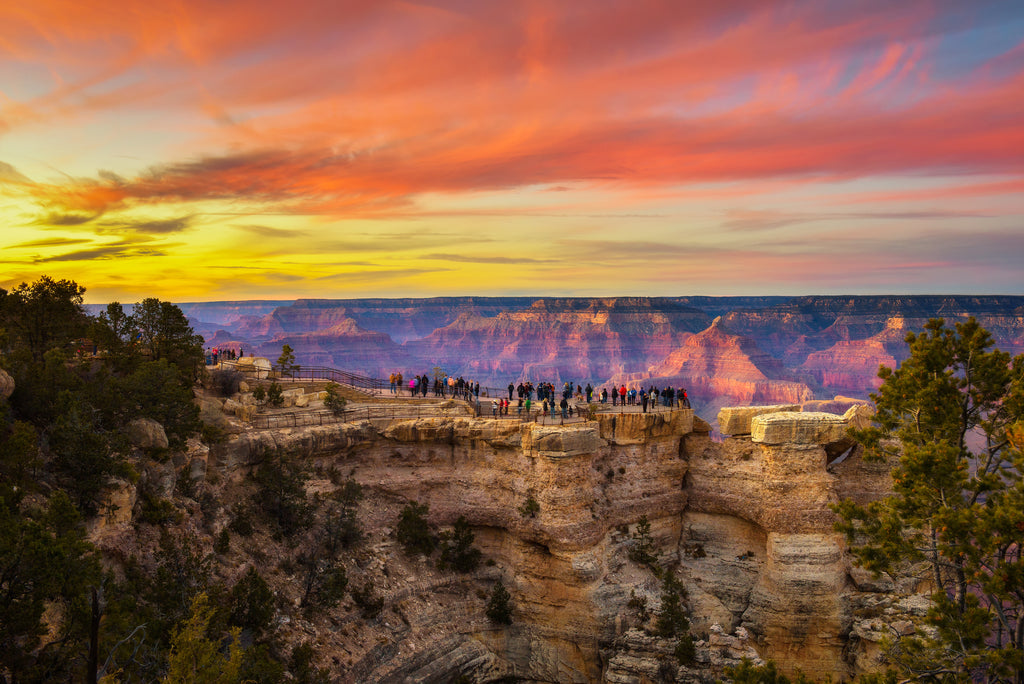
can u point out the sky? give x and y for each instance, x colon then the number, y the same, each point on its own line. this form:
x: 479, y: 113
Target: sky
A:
x: 205, y: 151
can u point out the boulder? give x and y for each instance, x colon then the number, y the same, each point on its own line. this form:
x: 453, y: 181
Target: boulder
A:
x: 254, y: 366
x: 865, y: 580
x: 735, y: 420
x: 6, y: 385
x: 242, y: 411
x: 797, y: 428
x: 859, y: 416
x: 146, y: 433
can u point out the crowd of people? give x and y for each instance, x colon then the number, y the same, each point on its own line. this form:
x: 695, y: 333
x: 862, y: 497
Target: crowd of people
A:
x: 217, y: 354
x: 546, y: 394
x: 446, y: 386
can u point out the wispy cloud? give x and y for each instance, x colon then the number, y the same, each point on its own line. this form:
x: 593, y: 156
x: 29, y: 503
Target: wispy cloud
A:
x: 51, y: 242
x: 469, y: 259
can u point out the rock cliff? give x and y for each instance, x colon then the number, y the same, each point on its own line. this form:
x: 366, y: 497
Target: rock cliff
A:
x: 744, y: 524
x: 559, y: 340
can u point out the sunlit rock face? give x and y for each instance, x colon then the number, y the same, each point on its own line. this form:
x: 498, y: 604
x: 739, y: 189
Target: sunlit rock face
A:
x: 719, y: 368
x: 580, y: 340
x: 837, y: 343
x: 399, y: 319
x: 763, y: 351
x: 743, y: 523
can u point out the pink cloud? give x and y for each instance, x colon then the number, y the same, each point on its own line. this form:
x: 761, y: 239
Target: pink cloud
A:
x: 360, y: 108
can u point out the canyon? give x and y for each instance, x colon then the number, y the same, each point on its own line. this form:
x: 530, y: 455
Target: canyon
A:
x: 724, y: 350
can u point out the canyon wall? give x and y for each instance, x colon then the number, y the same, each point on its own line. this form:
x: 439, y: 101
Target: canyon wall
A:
x: 744, y: 524
x: 765, y: 349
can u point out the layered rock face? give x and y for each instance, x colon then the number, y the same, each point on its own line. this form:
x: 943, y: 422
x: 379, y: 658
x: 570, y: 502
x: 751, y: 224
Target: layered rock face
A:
x: 745, y: 524
x: 399, y: 319
x: 561, y: 340
x: 837, y: 343
x: 720, y: 368
x: 759, y: 506
x: 831, y: 345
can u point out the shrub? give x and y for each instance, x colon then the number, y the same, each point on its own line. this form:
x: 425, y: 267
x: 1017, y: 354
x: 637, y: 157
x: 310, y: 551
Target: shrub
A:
x: 672, y: 620
x: 157, y: 510
x: 530, y: 509
x: 334, y: 401
x: 686, y: 651
x: 457, y: 550
x: 259, y: 393
x: 226, y: 381
x: 223, y: 543
x: 252, y: 602
x: 643, y: 545
x: 275, y: 395
x: 241, y: 520
x: 639, y: 604
x: 302, y: 668
x: 413, y: 532
x: 281, y: 491
x: 332, y: 586
x: 499, y: 608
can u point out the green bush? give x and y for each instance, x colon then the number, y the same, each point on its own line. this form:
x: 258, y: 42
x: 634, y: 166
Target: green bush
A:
x: 672, y: 619
x: 275, y: 395
x: 223, y: 543
x: 413, y: 532
x: 156, y: 510
x: 530, y: 508
x: 686, y: 651
x: 303, y: 670
x: 457, y: 550
x: 642, y: 550
x: 252, y: 602
x: 499, y: 608
x: 334, y: 401
x: 241, y: 520
x: 332, y: 586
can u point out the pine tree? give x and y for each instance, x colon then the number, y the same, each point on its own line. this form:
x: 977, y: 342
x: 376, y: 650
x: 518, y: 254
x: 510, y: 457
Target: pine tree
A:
x: 499, y: 608
x: 956, y: 508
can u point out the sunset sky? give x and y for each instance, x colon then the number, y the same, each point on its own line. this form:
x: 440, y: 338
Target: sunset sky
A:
x: 207, y: 150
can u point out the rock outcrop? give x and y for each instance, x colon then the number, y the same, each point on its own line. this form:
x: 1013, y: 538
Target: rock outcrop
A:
x: 146, y: 433
x: 735, y: 420
x: 745, y: 525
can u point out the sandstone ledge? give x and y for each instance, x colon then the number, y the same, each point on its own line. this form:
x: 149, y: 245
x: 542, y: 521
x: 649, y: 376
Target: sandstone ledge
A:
x: 735, y: 420
x: 792, y: 427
